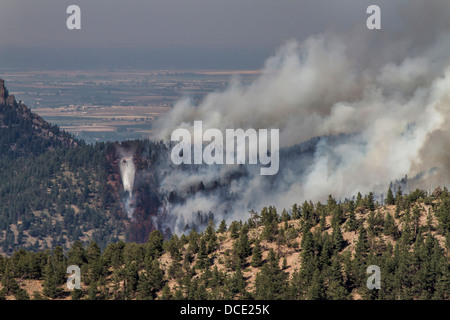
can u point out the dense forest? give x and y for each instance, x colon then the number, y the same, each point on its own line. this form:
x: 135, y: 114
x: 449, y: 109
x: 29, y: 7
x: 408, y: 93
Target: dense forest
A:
x: 313, y: 251
x: 55, y: 189
x: 47, y: 178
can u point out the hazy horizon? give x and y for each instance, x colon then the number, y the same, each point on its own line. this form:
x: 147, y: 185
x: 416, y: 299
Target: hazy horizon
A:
x: 173, y: 34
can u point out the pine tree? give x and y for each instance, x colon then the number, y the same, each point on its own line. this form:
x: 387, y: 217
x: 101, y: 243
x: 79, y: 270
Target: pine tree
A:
x: 92, y: 292
x: 203, y: 260
x: 10, y: 286
x: 269, y: 219
x: 399, y: 199
x: 173, y: 247
x: 370, y: 202
x: 154, y: 247
x: 316, y: 289
x: 390, y: 229
x: 151, y: 281
x: 361, y: 253
x: 77, y: 254
x: 166, y: 294
x: 335, y: 289
x: 295, y: 212
x: 338, y: 239
x: 211, y: 237
x: 271, y: 282
x: 51, y: 280
x: 309, y: 263
x: 390, y: 200
x: 76, y: 294
x: 194, y: 238
x: 352, y: 223
x: 256, y: 255
x: 407, y: 236
x: 178, y: 294
x: 242, y: 244
x: 236, y: 284
x: 234, y: 230
x: 359, y: 202
x: 443, y: 216
x: 222, y: 227
x: 131, y: 279
x: 362, y: 245
x: 95, y: 268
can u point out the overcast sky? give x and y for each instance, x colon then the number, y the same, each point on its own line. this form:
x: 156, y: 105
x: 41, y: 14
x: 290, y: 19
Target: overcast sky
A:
x: 261, y: 26
x: 114, y: 23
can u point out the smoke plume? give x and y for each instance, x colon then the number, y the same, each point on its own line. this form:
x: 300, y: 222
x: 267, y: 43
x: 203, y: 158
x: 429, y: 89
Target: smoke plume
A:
x: 127, y: 173
x: 355, y: 112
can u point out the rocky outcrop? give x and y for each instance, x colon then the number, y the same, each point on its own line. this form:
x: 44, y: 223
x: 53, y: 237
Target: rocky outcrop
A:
x: 3, y: 92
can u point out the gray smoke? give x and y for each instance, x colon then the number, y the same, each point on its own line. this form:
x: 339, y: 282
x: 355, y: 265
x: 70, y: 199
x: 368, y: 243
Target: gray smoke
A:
x: 390, y: 113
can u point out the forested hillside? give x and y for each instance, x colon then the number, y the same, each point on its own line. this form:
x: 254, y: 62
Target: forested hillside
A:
x: 53, y: 187
x: 313, y: 251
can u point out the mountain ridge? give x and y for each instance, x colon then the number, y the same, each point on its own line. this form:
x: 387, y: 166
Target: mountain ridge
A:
x: 18, y: 121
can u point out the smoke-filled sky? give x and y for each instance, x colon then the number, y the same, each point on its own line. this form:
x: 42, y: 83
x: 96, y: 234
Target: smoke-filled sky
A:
x: 176, y: 33
x: 385, y: 103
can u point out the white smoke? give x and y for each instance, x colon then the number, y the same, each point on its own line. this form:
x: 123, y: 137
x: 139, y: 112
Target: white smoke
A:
x: 393, y: 116
x: 127, y: 173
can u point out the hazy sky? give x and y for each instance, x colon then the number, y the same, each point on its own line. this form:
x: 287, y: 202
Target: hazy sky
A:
x: 252, y: 27
x: 179, y: 22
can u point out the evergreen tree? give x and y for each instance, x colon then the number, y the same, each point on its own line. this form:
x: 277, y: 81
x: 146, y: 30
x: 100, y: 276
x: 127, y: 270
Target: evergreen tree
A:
x: 390, y: 200
x: 271, y: 282
x: 362, y: 244
x: 92, y: 294
x: 222, y: 227
x: 236, y: 284
x: 335, y: 289
x: 295, y: 212
x: 211, y: 237
x: 352, y: 223
x: 52, y: 281
x: 390, y: 229
x: 316, y: 289
x: 338, y: 239
x: 370, y: 202
x: 242, y: 244
x: 154, y: 247
x: 203, y: 260
x: 257, y: 255
x: 194, y: 238
x: 359, y: 202
x: 234, y: 230
x: 269, y: 219
x: 77, y: 254
x: 166, y: 294
x: 361, y: 253
x: 76, y: 294
x: 173, y: 247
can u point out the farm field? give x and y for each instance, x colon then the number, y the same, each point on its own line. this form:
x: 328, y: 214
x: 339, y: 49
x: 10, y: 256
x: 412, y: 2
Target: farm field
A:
x: 114, y: 105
